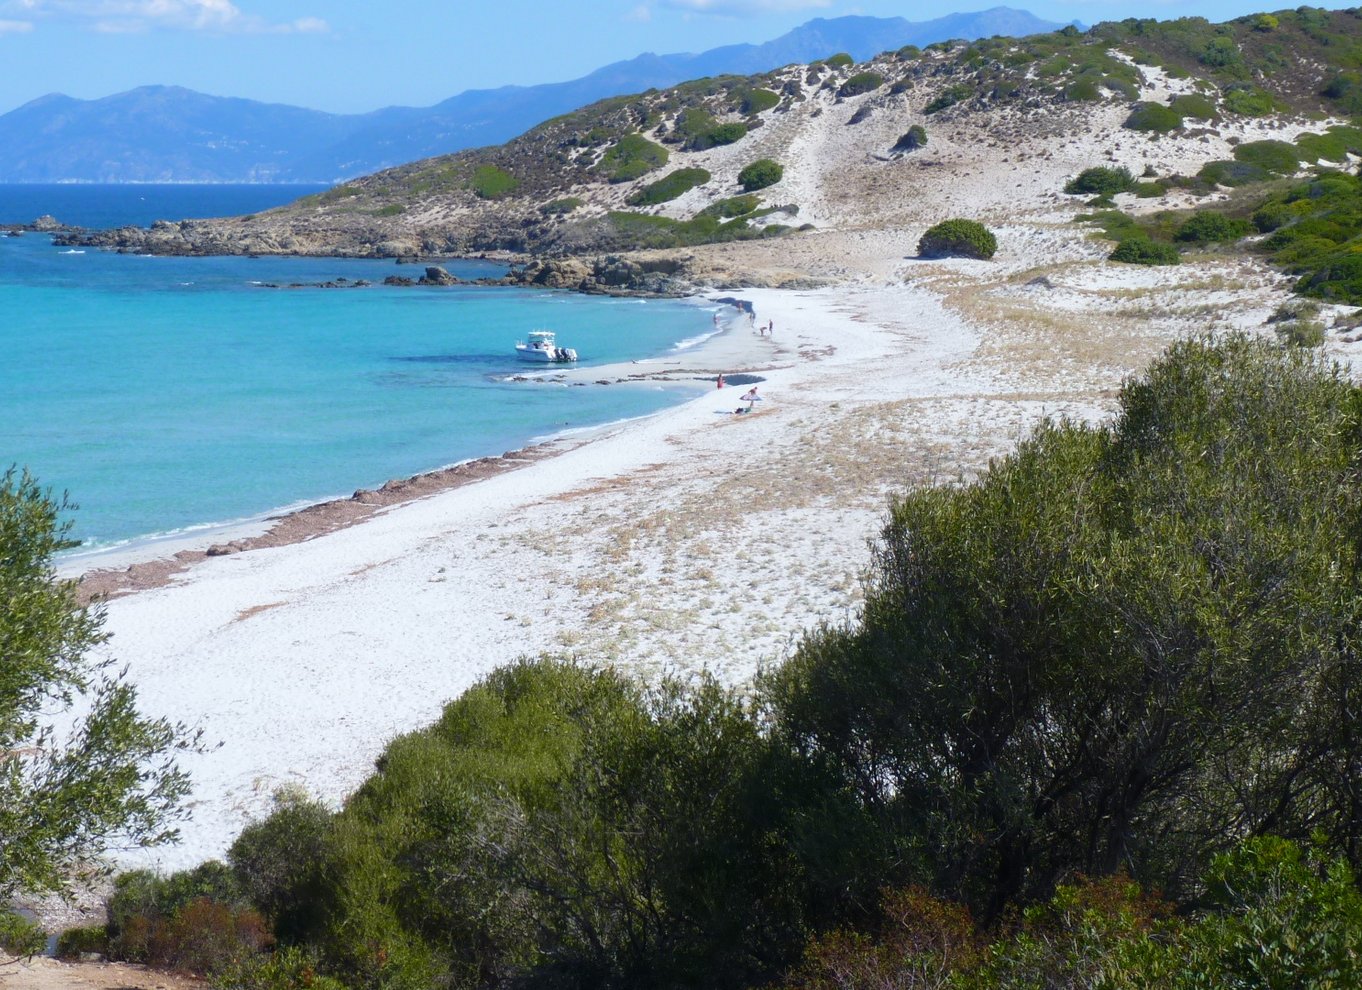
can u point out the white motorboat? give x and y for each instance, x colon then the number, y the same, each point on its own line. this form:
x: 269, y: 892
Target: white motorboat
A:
x: 541, y: 347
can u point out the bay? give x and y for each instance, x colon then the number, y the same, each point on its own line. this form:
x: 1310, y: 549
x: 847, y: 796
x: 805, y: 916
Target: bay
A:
x: 168, y: 394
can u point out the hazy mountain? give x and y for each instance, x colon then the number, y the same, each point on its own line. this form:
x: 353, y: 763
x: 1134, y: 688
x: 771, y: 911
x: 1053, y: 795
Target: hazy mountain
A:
x: 170, y: 134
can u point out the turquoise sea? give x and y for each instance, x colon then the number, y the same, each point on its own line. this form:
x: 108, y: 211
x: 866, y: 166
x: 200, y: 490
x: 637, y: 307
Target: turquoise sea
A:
x: 166, y: 394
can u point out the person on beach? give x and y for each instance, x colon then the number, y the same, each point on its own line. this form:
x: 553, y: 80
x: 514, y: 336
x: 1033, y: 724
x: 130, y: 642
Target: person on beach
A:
x: 716, y: 319
x: 750, y: 397
x: 720, y: 381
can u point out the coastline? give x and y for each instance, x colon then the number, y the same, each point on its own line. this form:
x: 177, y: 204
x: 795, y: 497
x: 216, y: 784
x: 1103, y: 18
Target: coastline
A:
x: 689, y: 540
x: 154, y: 561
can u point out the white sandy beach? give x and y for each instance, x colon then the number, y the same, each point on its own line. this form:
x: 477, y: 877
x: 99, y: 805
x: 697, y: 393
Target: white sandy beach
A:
x: 694, y: 539
x: 697, y: 539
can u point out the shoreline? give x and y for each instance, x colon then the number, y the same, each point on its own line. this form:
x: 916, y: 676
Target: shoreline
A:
x: 154, y: 561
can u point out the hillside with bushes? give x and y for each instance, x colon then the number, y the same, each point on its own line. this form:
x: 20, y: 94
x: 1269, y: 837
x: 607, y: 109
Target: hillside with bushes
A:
x: 1193, y: 108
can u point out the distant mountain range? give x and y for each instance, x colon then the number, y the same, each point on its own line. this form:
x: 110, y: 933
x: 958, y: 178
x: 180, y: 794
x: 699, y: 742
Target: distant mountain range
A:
x: 171, y: 134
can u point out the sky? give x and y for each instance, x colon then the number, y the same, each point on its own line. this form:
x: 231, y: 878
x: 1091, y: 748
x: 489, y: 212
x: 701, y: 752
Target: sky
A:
x: 351, y: 56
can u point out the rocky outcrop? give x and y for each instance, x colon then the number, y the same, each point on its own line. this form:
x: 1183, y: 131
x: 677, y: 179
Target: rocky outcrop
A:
x: 611, y: 275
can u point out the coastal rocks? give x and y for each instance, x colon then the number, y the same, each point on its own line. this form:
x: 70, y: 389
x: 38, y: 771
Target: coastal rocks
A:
x: 610, y: 275
x: 47, y: 224
x: 435, y: 275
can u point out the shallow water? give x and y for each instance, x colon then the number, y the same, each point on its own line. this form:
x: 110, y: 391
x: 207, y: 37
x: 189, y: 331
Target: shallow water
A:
x: 171, y: 393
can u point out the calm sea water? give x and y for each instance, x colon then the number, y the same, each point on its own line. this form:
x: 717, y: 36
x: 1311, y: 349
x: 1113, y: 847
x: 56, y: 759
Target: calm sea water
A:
x: 170, y: 393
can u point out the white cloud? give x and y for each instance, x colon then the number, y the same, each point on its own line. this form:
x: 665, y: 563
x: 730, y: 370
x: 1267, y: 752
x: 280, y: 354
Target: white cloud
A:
x: 642, y: 13
x: 738, y: 8
x: 15, y: 27
x: 123, y: 16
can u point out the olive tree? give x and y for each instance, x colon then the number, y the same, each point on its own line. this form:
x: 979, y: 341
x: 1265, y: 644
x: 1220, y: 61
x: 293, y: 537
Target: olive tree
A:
x: 80, y: 768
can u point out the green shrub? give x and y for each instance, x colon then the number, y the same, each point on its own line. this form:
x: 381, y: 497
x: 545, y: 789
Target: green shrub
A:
x: 277, y: 863
x: 1225, y: 173
x: 289, y: 968
x: 701, y: 132
x: 1277, y: 157
x: 758, y: 101
x: 958, y: 238
x: 1248, y: 101
x: 1265, y: 22
x: 1153, y: 117
x: 1144, y: 251
x: 913, y: 139
x: 1300, y: 333
x: 76, y: 942
x: 734, y: 206
x: 908, y: 52
x: 1221, y: 53
x: 1208, y: 226
x: 1149, y: 190
x: 491, y: 182
x: 669, y: 187
x: 1022, y: 633
x: 861, y: 82
x: 759, y: 174
x: 1193, y: 106
x: 949, y: 97
x: 1101, y: 180
x: 839, y: 61
x: 558, y: 207
x: 20, y: 937
x: 195, y: 920
x: 632, y: 157
x: 1082, y: 90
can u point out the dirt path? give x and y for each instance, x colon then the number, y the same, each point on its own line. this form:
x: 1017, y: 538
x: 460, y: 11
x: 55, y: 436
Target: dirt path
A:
x: 48, y: 974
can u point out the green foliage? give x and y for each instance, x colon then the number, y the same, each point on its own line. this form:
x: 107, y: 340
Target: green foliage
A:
x: 1221, y: 53
x: 1144, y: 251
x: 1277, y: 157
x: 758, y: 101
x: 719, y: 134
x: 1148, y: 190
x: 491, y: 182
x: 1116, y: 646
x: 1101, y: 180
x: 958, y: 238
x: 1333, y: 145
x: 564, y: 822
x: 733, y: 206
x: 913, y: 139
x: 1207, y: 226
x: 19, y: 937
x: 669, y: 187
x: 559, y: 207
x: 195, y: 920
x: 949, y: 97
x: 1316, y: 228
x: 1248, y: 101
x: 641, y: 230
x: 1226, y: 173
x: 1193, y: 106
x: 391, y: 210
x: 289, y: 968
x: 839, y: 61
x: 1153, y: 117
x: 275, y: 864
x: 113, y: 777
x: 1265, y: 22
x: 632, y: 157
x: 1300, y: 333
x: 1276, y: 917
x: 861, y: 82
x: 759, y: 174
x: 76, y: 942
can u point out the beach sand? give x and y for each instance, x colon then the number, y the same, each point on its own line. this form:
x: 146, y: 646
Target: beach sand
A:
x: 694, y: 539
